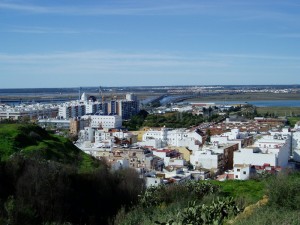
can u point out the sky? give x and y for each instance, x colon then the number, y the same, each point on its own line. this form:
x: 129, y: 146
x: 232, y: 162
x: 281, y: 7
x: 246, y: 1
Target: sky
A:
x: 72, y: 43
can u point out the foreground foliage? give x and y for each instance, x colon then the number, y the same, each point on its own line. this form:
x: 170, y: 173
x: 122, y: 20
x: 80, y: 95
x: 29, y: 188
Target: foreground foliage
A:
x: 45, y: 179
x: 194, y: 202
x: 283, y: 192
x: 211, y: 202
x: 35, y: 192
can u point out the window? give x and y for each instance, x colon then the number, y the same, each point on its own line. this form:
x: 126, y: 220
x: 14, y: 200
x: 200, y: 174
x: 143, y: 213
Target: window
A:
x: 236, y: 176
x: 244, y: 172
x: 238, y: 170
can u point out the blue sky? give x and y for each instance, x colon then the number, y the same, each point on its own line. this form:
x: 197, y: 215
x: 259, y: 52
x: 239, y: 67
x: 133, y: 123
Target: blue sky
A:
x: 71, y: 43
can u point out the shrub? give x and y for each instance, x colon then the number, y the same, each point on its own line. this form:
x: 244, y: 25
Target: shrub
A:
x: 284, y: 191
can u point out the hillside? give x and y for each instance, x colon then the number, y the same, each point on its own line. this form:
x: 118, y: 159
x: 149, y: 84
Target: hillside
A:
x: 31, y: 140
x: 273, y: 200
x: 45, y: 179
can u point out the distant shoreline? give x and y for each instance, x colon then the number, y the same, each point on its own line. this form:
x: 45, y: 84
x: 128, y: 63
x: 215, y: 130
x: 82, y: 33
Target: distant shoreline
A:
x: 241, y: 97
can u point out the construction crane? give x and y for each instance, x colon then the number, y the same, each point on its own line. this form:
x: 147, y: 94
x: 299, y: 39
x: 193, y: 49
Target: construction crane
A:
x: 101, y: 94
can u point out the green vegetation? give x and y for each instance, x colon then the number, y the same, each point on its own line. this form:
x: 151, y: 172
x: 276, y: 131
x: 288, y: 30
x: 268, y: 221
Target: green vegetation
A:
x: 170, y: 120
x: 293, y: 120
x: 291, y: 113
x: 32, y: 141
x: 194, y: 202
x: 173, y: 120
x: 246, y: 193
x: 266, y: 215
x: 248, y: 97
x: 136, y: 121
x: 279, y: 111
x: 219, y: 203
x: 283, y: 205
x: 45, y: 179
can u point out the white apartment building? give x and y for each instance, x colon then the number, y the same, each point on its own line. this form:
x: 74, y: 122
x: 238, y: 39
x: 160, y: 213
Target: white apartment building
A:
x: 297, y: 126
x: 32, y: 111
x: 104, y: 135
x: 54, y: 123
x: 269, y: 149
x: 104, y: 121
x: 241, y: 171
x: 72, y: 109
x: 80, y: 108
x: 125, y: 108
x: 207, y: 159
x: 296, y: 140
x: 234, y: 136
x: 87, y: 134
x: 173, y: 137
x: 296, y: 146
x: 170, y: 157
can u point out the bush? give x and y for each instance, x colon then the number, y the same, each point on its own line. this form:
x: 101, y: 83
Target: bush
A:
x: 39, y: 191
x: 284, y: 191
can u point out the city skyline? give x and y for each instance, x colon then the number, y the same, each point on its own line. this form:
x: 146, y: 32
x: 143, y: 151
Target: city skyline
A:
x: 140, y: 43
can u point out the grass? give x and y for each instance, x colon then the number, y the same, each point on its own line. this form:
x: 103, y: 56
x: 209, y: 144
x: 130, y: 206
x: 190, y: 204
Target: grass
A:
x: 33, y: 141
x: 249, y: 191
x: 271, y: 216
x: 283, y: 202
x: 8, y: 142
x: 248, y: 97
x: 244, y: 193
x: 280, y: 111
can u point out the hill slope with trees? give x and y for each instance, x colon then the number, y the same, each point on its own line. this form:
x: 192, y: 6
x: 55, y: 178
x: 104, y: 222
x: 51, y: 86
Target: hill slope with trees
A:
x: 32, y: 141
x: 45, y: 179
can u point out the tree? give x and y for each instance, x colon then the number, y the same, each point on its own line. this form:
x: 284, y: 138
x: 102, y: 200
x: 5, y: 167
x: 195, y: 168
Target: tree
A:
x: 208, y: 134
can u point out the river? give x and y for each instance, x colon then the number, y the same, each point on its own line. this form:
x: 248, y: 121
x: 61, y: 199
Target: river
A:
x: 262, y: 103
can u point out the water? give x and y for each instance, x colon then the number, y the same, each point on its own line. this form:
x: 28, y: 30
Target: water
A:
x: 60, y: 95
x: 38, y: 95
x: 279, y: 103
x: 36, y: 91
x: 264, y: 103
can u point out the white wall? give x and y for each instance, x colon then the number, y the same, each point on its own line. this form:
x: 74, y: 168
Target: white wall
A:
x: 153, y: 181
x: 163, y: 155
x: 242, y: 173
x: 87, y: 134
x: 296, y: 140
x: 177, y: 137
x: 296, y: 155
x: 104, y: 121
x: 205, y: 159
x: 176, y: 162
x: 246, y: 156
x: 155, y: 143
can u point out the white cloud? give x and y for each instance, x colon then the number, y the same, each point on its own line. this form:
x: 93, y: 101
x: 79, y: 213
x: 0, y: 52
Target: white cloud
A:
x: 54, y: 30
x: 256, y: 56
x: 92, y: 62
x: 129, y: 8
